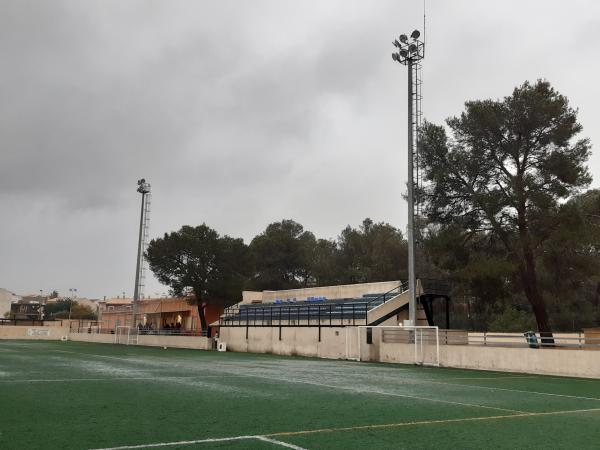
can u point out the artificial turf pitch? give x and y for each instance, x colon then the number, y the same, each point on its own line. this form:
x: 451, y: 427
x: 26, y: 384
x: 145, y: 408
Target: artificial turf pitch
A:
x: 69, y: 395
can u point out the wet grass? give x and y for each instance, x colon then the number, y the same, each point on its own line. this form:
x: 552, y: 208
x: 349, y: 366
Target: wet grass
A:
x: 86, y: 396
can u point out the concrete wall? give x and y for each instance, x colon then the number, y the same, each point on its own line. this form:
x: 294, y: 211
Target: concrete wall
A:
x: 388, y: 307
x: 343, y: 343
x: 547, y: 361
x: 33, y: 332
x: 564, y: 362
x: 336, y: 342
x: 331, y: 292
x: 194, y: 342
x: 93, y: 337
x: 55, y: 333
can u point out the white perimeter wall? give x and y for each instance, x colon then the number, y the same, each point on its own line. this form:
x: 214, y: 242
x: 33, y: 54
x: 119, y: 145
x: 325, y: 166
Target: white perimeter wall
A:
x: 193, y: 342
x: 55, y: 333
x: 336, y: 343
x: 33, y: 332
x: 342, y: 343
x: 331, y: 292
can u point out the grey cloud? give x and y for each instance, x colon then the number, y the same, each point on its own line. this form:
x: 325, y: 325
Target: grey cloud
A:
x: 238, y: 113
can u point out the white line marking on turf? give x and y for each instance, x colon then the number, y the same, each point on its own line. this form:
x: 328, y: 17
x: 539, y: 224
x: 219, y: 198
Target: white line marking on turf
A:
x: 156, y: 378
x: 507, y: 377
x: 430, y: 422
x: 268, y: 437
x: 281, y: 443
x: 170, y: 444
x: 520, y: 391
x: 205, y: 441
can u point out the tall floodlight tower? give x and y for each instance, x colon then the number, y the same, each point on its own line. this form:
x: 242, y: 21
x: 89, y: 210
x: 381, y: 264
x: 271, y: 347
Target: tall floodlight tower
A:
x: 140, y: 270
x: 410, y: 52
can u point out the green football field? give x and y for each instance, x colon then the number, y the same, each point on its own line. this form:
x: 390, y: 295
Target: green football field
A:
x: 68, y: 395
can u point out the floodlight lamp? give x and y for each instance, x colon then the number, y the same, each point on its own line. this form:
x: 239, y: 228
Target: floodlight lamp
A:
x: 397, y: 44
x: 415, y: 34
x: 395, y: 56
x: 403, y: 38
x: 412, y: 48
x: 403, y: 53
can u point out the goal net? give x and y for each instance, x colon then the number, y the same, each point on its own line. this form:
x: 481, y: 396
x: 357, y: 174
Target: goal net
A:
x: 406, y: 344
x: 126, y: 335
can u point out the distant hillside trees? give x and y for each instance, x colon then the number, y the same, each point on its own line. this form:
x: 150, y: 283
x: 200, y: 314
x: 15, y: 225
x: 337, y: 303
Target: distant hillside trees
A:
x: 286, y: 256
x: 60, y: 310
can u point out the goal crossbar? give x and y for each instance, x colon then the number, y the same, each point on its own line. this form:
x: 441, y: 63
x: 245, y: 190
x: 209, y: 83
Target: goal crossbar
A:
x: 120, y: 331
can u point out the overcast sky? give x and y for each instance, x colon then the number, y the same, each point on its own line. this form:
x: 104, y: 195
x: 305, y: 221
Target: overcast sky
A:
x: 240, y: 114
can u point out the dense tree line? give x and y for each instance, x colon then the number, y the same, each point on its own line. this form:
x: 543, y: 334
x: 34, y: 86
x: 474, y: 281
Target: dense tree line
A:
x: 217, y: 268
x: 505, y: 213
x: 506, y: 219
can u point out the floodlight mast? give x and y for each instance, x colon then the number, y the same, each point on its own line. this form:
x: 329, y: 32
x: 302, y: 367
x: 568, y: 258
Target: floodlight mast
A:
x: 410, y: 53
x: 144, y: 189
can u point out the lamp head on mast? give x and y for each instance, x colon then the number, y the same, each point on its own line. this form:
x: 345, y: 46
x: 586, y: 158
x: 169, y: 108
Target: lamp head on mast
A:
x: 143, y: 187
x: 409, y: 50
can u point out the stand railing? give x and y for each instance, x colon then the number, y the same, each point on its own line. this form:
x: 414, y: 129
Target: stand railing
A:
x: 30, y: 322
x: 534, y: 340
x: 142, y: 331
x: 400, y: 289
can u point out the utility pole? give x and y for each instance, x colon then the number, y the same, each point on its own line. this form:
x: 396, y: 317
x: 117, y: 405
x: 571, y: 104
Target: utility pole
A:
x: 410, y: 53
x: 73, y: 292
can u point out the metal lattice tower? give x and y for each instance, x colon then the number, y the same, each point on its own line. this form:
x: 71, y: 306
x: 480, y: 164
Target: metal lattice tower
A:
x: 410, y: 53
x: 417, y: 121
x: 140, y: 268
x: 145, y: 241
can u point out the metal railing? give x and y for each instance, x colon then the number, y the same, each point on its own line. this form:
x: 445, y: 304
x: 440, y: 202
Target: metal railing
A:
x: 142, y: 331
x: 30, y: 322
x: 534, y: 340
x: 400, y: 289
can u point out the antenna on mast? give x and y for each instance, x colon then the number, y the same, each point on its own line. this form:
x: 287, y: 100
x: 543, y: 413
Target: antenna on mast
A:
x: 424, y: 28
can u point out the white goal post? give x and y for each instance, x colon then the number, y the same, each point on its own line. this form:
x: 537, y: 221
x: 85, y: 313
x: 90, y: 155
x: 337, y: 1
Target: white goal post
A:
x: 423, y: 338
x: 124, y: 331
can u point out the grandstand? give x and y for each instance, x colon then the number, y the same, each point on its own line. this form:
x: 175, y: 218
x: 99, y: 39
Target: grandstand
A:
x: 307, y: 308
x: 333, y: 321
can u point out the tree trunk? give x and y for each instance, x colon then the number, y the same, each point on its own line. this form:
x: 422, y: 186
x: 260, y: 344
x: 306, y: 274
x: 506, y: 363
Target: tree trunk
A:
x: 528, y: 274
x: 201, y: 308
